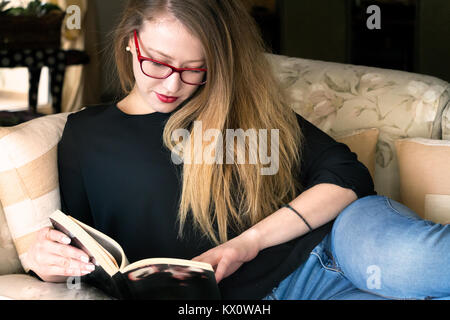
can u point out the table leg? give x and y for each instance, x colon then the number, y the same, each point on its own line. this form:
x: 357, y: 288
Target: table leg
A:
x: 57, y: 73
x: 34, y: 75
x: 57, y: 83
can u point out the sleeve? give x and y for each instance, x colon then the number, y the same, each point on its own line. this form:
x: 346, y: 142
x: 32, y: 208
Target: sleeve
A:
x: 325, y: 160
x: 74, y: 201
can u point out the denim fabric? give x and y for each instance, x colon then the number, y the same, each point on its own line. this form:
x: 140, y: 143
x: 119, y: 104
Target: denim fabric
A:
x: 378, y: 249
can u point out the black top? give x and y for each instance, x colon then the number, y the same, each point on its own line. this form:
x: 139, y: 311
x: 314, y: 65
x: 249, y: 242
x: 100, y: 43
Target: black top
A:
x: 116, y: 175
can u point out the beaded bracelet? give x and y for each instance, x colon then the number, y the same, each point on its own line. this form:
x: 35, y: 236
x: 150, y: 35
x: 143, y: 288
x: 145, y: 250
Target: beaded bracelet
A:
x: 304, y: 220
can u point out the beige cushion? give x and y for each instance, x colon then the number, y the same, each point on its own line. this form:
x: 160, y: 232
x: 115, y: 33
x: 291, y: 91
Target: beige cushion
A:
x: 437, y: 208
x: 424, y: 166
x: 9, y: 261
x: 29, y: 189
x: 363, y: 142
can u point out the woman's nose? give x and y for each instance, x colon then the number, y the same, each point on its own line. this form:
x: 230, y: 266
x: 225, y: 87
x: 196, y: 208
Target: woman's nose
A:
x: 173, y: 82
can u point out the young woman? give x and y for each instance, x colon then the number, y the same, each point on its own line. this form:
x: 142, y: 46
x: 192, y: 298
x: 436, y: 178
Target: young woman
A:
x: 182, y: 61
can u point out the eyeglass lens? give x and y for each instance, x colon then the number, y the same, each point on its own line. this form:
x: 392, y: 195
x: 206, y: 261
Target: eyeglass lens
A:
x: 156, y: 70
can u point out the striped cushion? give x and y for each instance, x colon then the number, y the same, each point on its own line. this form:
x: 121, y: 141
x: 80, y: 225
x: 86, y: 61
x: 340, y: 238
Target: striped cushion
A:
x: 9, y: 261
x: 29, y: 189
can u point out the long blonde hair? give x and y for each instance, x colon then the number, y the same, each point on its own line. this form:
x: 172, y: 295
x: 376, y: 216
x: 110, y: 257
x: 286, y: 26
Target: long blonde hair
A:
x: 241, y: 93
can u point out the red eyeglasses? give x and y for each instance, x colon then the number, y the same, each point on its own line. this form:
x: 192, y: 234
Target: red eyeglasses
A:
x: 160, y: 70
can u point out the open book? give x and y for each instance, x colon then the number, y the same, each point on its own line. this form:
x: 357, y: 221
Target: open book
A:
x: 155, y: 278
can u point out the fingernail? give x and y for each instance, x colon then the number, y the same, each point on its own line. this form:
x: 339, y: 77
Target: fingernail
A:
x: 66, y: 240
x: 90, y: 267
x: 85, y: 272
x: 85, y: 259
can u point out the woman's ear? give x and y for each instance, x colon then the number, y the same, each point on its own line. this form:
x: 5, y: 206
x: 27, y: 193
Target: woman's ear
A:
x: 130, y: 46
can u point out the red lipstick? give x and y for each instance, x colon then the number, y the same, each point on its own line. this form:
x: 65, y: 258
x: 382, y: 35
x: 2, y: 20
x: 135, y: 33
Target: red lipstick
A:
x: 166, y: 99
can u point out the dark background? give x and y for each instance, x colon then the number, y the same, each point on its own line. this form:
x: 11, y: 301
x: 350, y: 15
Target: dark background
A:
x: 414, y: 34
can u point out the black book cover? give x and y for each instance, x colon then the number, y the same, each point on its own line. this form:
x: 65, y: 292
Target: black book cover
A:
x: 149, y: 279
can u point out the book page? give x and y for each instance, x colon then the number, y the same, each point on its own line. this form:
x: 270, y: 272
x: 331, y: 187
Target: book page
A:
x: 76, y: 230
x: 74, y: 238
x: 112, y: 248
x: 171, y: 261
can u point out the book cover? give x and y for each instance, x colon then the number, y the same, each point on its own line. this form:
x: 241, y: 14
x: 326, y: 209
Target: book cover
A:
x: 153, y: 278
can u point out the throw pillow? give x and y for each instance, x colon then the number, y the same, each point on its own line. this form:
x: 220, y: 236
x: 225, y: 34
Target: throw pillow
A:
x: 363, y: 142
x: 424, y: 169
x: 9, y: 261
x: 29, y: 188
x: 437, y: 208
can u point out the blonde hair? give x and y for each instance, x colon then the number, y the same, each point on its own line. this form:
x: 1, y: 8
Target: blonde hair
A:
x: 241, y: 93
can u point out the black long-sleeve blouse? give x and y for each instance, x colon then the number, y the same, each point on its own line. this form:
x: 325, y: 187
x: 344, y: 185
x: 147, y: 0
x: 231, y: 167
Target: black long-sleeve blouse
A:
x: 116, y: 175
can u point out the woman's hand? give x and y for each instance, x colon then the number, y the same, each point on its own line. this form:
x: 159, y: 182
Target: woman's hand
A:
x: 53, y: 259
x: 229, y: 256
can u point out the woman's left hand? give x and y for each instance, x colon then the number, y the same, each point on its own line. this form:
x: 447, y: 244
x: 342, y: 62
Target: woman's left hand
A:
x: 229, y: 256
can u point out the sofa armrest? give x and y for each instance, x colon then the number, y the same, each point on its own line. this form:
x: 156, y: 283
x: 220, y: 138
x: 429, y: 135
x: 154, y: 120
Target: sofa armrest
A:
x: 25, y: 287
x: 446, y: 123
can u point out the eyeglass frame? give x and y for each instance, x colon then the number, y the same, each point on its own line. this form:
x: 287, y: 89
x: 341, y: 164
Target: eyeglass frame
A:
x: 141, y: 59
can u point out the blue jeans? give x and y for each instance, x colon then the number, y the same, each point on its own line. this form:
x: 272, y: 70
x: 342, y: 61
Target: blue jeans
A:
x: 378, y: 249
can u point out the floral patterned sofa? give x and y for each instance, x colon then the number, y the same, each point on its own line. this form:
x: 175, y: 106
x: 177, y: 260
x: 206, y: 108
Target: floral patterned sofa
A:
x: 335, y: 97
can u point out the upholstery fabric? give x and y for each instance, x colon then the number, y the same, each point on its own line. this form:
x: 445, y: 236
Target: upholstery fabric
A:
x: 337, y: 97
x: 9, y: 261
x: 24, y: 287
x: 424, y: 170
x: 363, y: 142
x: 437, y: 208
x: 29, y: 189
x: 446, y: 123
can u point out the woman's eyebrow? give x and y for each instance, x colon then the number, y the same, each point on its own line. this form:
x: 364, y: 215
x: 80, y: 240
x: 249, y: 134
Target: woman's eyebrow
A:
x: 169, y: 57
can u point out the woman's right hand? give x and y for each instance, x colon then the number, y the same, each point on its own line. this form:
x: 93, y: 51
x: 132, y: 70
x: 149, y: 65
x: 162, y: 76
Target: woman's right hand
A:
x: 53, y: 259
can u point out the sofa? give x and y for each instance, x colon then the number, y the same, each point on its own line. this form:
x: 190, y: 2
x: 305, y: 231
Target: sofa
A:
x: 383, y: 115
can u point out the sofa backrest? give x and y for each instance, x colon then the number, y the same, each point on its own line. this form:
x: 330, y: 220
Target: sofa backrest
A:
x: 339, y: 97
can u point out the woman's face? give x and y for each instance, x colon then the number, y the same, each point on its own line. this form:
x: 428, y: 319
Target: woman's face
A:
x: 165, y: 39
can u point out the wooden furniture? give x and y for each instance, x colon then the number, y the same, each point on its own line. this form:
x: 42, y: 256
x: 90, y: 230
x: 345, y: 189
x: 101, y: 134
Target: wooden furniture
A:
x: 57, y: 60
